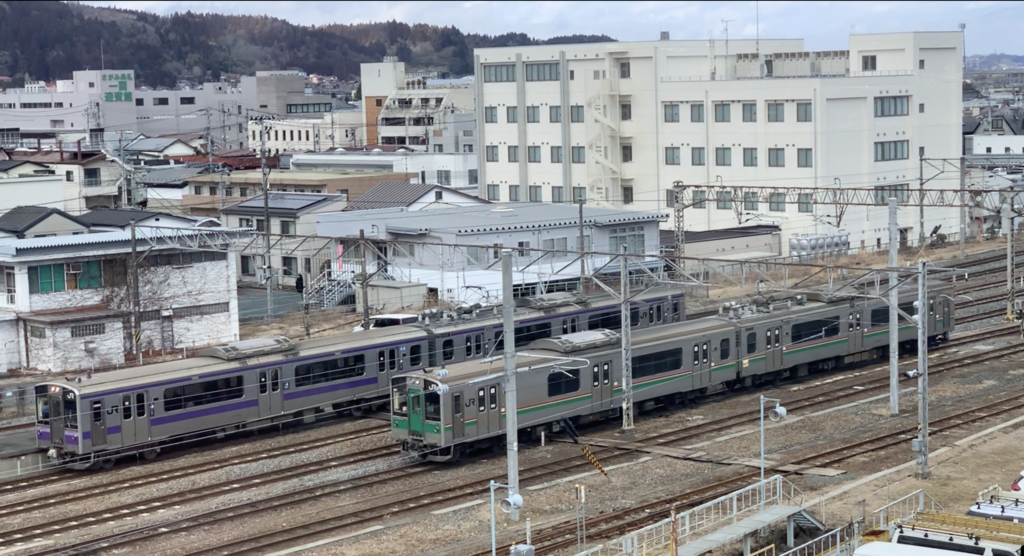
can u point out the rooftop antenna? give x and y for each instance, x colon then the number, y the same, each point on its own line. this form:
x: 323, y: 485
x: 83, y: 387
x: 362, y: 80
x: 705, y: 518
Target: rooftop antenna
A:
x: 757, y: 30
x: 102, y: 67
x: 726, y: 23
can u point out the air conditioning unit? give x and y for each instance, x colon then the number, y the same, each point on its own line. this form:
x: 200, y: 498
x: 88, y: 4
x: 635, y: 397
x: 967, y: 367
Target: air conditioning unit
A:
x: 75, y: 268
x: 89, y: 346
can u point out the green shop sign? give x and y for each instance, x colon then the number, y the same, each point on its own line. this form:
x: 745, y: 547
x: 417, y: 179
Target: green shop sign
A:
x: 122, y: 94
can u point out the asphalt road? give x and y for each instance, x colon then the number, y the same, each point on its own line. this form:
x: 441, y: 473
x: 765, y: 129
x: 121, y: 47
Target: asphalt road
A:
x: 252, y: 303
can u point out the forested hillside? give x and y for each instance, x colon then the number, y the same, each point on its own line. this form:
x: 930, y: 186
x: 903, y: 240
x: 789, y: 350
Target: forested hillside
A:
x: 49, y: 40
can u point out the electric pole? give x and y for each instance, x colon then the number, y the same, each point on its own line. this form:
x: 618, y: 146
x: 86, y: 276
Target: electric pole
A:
x: 680, y: 231
x: 1008, y: 226
x: 583, y: 262
x: 365, y: 279
x: 894, y: 316
x: 265, y: 178
x: 627, y: 355
x: 920, y: 203
x: 963, y: 205
x: 135, y: 301
x: 511, y: 407
x: 922, y: 368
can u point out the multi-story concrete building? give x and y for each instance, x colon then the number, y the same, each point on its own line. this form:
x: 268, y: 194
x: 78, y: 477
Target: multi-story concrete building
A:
x: 619, y: 123
x: 332, y: 130
x: 456, y: 169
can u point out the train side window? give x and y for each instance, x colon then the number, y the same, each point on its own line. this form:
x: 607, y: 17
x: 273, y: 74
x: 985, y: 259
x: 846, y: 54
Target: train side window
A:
x: 140, y: 405
x: 751, y: 342
x: 392, y: 359
x: 415, y: 355
x: 494, y: 397
x: 857, y: 321
x: 275, y: 380
x: 126, y: 407
x: 696, y: 355
x: 481, y: 402
x: 97, y: 411
x: 597, y: 376
x: 565, y: 326
x: 931, y: 306
x: 574, y: 324
x: 723, y: 349
x: 381, y: 358
x: 448, y: 349
x: 469, y: 346
x: 768, y: 339
x: 263, y: 382
x: 657, y: 312
x: 649, y: 316
x: 478, y: 344
x: 704, y: 353
x: 777, y: 339
x: 675, y: 310
x: 850, y: 323
x: 634, y: 316
x: 606, y: 373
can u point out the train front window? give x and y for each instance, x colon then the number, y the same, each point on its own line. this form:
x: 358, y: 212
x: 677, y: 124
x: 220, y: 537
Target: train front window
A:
x: 70, y: 411
x: 42, y: 406
x: 399, y: 399
x: 432, y: 401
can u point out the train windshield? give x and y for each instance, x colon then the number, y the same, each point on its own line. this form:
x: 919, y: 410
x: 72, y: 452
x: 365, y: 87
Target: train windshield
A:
x: 42, y: 405
x: 70, y: 410
x: 432, y: 401
x: 399, y: 397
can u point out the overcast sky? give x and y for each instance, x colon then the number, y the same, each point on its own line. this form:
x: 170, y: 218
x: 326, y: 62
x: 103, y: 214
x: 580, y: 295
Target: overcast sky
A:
x: 991, y: 26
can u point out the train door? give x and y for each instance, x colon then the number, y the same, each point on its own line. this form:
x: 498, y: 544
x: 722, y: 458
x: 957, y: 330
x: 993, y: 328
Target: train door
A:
x: 98, y: 430
x: 56, y: 407
x: 275, y: 391
x: 263, y: 393
x: 701, y: 363
x: 482, y: 427
x: 141, y: 416
x: 127, y: 420
x: 493, y: 408
x: 854, y: 332
x: 416, y: 421
x: 458, y: 424
x: 601, y: 376
x: 946, y: 323
x: 773, y: 348
x: 933, y: 325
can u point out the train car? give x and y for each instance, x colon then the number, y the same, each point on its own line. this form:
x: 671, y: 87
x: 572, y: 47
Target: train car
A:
x: 952, y: 542
x: 90, y: 422
x: 671, y: 364
x: 891, y: 549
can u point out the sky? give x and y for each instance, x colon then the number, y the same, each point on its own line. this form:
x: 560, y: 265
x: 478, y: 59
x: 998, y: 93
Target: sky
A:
x: 991, y: 26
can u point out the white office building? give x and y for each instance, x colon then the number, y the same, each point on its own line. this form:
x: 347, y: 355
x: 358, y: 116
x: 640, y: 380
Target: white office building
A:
x: 619, y: 123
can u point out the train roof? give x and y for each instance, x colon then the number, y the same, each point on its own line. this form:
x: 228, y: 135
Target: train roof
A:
x: 892, y: 549
x: 235, y: 355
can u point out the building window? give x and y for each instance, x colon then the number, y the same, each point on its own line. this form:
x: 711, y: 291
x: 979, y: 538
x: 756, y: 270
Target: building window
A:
x: 672, y: 156
x: 750, y: 200
x: 536, y: 195
x: 556, y: 155
x: 696, y: 113
x: 579, y: 155
x: 502, y: 73
x: 37, y: 332
x: 776, y: 112
x: 868, y: 63
x: 579, y: 194
x: 697, y: 156
x: 188, y: 100
x: 69, y: 176
x: 161, y: 101
x: 248, y: 266
x: 900, y: 191
x: 997, y: 124
x: 288, y: 227
x: 261, y: 225
x: 627, y: 195
x: 513, y: 193
x: 243, y: 192
x: 245, y: 222
x: 776, y: 158
x: 513, y: 153
x: 542, y: 72
x: 533, y: 154
x: 493, y: 192
x: 749, y: 112
x: 803, y: 111
x: 920, y: 151
x: 777, y: 202
x: 627, y: 153
x: 491, y: 114
x: 492, y: 153
x: 558, y: 194
x: 555, y: 114
x: 444, y: 177
x: 749, y: 157
x: 140, y: 102
x: 229, y: 191
x: 555, y: 244
x: 379, y: 102
x: 892, y: 106
x: 290, y: 266
x: 626, y: 111
x: 439, y: 148
x: 467, y: 148
x: 892, y: 150
x: 46, y: 278
x: 624, y: 70
x: 631, y: 236
x: 700, y: 198
x: 576, y: 114
x: 920, y: 108
x: 512, y: 114
x: 804, y: 158
x: 722, y: 112
x: 84, y: 330
x: 213, y: 190
x: 803, y: 203
x: 533, y: 114
x: 723, y: 201
x: 723, y: 156
x: 671, y: 113
x: 473, y: 177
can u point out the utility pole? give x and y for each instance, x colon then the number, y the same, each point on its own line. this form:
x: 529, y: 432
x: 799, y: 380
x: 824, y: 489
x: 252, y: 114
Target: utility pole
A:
x: 920, y: 202
x: 1008, y: 226
x: 511, y: 407
x: 135, y: 301
x: 583, y: 262
x: 894, y: 316
x: 922, y: 368
x: 265, y: 179
x: 680, y: 228
x: 365, y: 279
x: 963, y: 206
x: 627, y: 355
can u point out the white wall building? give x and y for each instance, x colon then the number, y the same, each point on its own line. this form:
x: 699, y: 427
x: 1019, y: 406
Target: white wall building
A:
x: 999, y: 144
x: 64, y: 300
x: 336, y: 129
x: 618, y: 123
x: 46, y: 190
x: 456, y: 170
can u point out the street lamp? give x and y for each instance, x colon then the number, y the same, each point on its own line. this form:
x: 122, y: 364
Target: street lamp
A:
x: 514, y: 501
x: 777, y: 414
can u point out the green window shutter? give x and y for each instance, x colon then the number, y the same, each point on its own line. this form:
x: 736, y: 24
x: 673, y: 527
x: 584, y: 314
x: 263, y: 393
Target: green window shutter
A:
x: 91, y: 275
x: 58, y: 278
x: 33, y: 279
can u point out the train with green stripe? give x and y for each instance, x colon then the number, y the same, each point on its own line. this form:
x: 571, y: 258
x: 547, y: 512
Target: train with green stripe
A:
x: 443, y: 412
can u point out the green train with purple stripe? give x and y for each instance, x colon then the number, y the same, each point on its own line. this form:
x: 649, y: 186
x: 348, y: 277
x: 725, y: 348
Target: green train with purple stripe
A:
x: 444, y: 412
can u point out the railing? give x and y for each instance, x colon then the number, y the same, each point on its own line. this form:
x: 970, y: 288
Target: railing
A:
x: 93, y: 182
x: 838, y: 541
x: 329, y: 288
x: 903, y: 508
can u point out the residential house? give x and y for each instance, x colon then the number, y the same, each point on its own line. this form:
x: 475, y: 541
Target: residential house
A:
x: 456, y: 170
x: 195, y: 140
x: 413, y: 197
x: 291, y: 214
x: 21, y: 167
x: 36, y: 221
x: 165, y: 186
x: 90, y: 178
x: 158, y: 147
x: 46, y: 190
x: 331, y: 130
x: 108, y: 220
x: 64, y: 300
x: 411, y: 245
